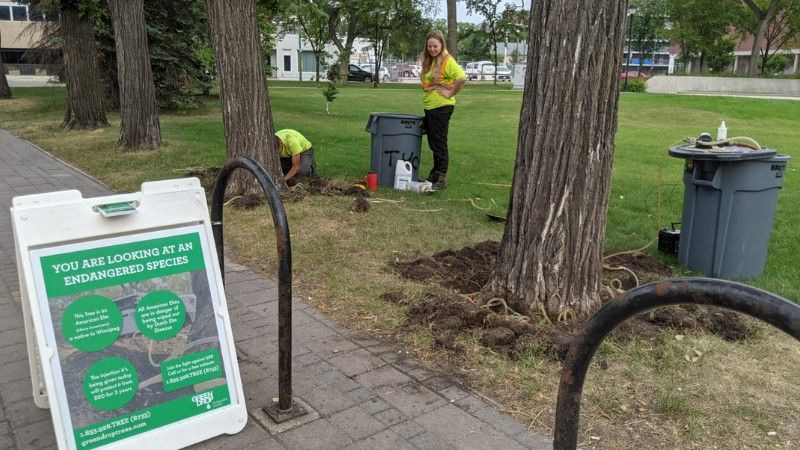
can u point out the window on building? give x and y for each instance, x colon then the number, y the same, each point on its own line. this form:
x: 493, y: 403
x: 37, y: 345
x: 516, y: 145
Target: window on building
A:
x: 34, y: 14
x: 12, y: 56
x: 287, y: 63
x: 5, y: 12
x: 20, y: 13
x: 308, y: 61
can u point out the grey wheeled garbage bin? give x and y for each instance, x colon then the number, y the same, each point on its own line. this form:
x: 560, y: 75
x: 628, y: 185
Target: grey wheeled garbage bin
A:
x: 394, y: 137
x: 729, y: 202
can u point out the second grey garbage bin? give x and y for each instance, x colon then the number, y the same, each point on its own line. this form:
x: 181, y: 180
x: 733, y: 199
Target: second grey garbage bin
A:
x: 729, y: 203
x: 394, y: 137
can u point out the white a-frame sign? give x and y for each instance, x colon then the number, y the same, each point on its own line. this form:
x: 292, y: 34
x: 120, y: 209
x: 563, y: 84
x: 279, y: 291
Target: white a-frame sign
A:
x: 129, y: 337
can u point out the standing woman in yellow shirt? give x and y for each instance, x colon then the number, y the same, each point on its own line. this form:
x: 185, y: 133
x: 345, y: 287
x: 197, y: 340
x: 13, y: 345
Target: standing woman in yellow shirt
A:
x: 442, y: 78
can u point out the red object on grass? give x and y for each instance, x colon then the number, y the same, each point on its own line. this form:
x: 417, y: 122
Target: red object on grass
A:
x: 371, y: 180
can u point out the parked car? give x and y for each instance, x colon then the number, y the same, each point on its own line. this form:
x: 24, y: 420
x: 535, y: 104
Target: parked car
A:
x: 407, y: 70
x: 356, y: 73
x: 384, y: 75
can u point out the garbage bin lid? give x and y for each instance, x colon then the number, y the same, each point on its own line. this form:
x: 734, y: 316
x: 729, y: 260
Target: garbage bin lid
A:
x: 396, y: 115
x: 728, y: 153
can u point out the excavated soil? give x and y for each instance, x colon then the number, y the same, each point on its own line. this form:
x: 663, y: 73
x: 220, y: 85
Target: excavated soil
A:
x: 302, y: 187
x: 465, y: 270
x: 447, y: 313
x: 360, y: 203
x: 299, y: 188
x: 207, y: 176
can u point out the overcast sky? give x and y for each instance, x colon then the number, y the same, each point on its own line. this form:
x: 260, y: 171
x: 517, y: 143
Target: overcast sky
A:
x: 462, y: 10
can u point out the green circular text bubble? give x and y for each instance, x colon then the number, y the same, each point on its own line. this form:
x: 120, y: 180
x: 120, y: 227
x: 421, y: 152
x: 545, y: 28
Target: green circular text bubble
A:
x: 110, y: 383
x: 91, y: 323
x: 160, y: 315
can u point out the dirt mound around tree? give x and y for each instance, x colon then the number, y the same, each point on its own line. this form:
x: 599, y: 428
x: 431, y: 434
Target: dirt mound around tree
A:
x: 450, y: 316
x: 448, y: 313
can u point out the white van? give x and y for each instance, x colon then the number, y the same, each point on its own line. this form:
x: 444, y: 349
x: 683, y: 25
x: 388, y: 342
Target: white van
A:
x: 479, y: 70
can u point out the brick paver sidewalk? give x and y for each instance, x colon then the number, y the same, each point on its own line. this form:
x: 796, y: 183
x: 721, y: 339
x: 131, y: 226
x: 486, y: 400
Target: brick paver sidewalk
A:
x: 367, y: 393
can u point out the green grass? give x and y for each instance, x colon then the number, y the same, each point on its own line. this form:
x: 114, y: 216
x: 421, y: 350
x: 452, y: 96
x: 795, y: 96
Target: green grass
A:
x: 647, y: 186
x: 648, y: 396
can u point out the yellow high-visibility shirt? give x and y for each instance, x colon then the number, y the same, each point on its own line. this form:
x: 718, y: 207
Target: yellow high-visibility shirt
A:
x: 446, y: 76
x: 294, y: 143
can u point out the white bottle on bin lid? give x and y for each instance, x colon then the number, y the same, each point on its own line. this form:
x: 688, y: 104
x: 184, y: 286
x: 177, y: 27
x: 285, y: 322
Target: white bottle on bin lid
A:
x: 722, y: 132
x: 402, y: 174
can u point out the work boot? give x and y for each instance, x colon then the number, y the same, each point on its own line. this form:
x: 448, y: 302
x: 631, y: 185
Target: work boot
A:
x: 440, y: 183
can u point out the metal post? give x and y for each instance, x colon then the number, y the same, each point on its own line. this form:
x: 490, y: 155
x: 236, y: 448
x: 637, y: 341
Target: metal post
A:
x: 630, y: 39
x: 762, y: 305
x: 300, y: 55
x: 285, y: 409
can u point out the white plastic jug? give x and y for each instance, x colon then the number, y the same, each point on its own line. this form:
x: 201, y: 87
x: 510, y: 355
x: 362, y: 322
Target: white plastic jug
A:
x: 402, y: 174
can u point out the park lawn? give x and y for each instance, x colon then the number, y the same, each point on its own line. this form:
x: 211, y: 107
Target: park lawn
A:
x: 649, y: 394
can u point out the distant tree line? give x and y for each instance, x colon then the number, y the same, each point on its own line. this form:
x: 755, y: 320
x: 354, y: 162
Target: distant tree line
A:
x: 708, y: 31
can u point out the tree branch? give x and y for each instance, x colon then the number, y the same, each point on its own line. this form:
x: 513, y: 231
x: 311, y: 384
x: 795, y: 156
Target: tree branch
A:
x: 753, y: 7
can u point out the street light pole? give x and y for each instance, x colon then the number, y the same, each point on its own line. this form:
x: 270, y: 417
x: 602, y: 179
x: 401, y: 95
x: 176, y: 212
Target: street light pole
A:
x: 632, y: 12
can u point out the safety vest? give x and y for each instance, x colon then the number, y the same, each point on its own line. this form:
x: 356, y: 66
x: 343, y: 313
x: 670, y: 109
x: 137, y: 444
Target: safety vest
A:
x: 435, y: 80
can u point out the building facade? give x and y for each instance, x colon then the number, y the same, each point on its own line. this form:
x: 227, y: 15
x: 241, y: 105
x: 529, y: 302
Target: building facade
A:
x: 19, y: 35
x: 293, y: 57
x: 741, y: 58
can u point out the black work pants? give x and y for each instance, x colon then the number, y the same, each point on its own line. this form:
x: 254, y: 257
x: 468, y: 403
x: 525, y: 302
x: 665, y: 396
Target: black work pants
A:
x: 308, y: 164
x: 437, y: 122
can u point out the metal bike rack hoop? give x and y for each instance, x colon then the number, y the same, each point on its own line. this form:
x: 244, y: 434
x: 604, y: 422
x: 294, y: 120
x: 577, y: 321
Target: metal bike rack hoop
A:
x: 762, y: 305
x: 285, y: 409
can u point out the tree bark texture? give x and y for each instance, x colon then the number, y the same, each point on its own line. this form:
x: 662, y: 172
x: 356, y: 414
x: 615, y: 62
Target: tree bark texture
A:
x: 347, y: 47
x: 140, y: 127
x: 246, y: 110
x: 5, y: 90
x: 84, y: 108
x: 763, y: 18
x: 452, y: 28
x: 552, y: 247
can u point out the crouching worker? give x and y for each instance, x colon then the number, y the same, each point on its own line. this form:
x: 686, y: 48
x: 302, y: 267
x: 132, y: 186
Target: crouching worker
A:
x: 297, y: 156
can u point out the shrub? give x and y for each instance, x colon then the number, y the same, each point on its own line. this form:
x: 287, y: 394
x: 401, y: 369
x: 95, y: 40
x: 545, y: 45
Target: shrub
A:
x: 637, y: 84
x: 720, y: 54
x: 776, y: 65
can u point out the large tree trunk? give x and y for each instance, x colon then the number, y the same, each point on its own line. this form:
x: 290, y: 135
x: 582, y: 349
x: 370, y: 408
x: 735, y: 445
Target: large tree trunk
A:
x: 551, y: 252
x: 5, y: 90
x: 84, y: 109
x: 137, y: 94
x: 246, y: 110
x: 452, y: 28
x: 763, y: 18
